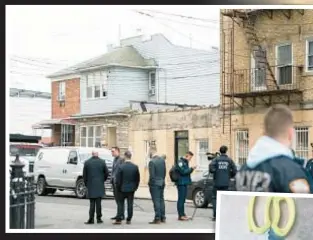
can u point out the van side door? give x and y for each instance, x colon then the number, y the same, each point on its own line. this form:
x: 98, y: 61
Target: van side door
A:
x: 71, y: 170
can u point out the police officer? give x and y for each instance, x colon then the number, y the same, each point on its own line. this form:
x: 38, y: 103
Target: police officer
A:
x: 271, y: 166
x: 223, y: 169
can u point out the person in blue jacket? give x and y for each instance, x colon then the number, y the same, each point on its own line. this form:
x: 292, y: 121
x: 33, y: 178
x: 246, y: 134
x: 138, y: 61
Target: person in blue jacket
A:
x: 184, y: 172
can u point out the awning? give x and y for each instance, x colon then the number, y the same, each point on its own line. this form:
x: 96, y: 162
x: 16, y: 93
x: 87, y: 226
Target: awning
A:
x: 47, y: 124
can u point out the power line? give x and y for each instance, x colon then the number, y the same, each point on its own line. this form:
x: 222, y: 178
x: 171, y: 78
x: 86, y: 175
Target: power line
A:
x: 52, y: 61
x: 180, y: 22
x: 184, y: 16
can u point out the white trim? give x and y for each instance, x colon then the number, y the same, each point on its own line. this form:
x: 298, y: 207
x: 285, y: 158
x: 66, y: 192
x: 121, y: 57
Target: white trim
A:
x: 276, y: 62
x: 61, y: 85
x: 252, y: 74
x: 199, y: 166
x: 94, y: 134
x: 102, y: 82
x: 150, y: 87
x: 65, y: 77
x: 309, y: 39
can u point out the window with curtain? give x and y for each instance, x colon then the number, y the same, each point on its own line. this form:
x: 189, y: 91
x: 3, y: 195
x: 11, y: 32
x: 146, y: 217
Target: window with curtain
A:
x: 310, y: 55
x: 202, y: 149
x: 90, y: 136
x: 97, y: 85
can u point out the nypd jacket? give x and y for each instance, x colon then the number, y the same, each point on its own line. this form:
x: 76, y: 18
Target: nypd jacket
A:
x: 271, y: 167
x: 223, y: 169
x: 184, y: 172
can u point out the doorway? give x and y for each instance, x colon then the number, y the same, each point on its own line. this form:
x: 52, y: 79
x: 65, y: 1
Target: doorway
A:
x: 111, y: 137
x: 181, y: 144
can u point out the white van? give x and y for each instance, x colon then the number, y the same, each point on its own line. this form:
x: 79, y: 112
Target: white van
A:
x: 61, y: 168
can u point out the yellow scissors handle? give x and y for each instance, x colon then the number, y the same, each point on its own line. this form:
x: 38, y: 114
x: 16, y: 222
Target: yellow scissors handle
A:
x: 251, y: 218
x: 282, y: 232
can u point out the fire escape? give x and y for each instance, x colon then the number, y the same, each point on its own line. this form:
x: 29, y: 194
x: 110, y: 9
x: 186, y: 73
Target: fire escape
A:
x: 265, y: 83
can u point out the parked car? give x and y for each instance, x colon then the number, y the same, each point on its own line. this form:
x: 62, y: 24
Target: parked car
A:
x: 27, y: 154
x: 200, y: 191
x: 61, y: 168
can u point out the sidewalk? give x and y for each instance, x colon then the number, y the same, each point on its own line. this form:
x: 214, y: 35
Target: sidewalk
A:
x: 170, y: 193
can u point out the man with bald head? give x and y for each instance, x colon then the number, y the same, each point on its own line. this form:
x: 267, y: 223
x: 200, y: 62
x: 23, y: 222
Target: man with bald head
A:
x: 95, y: 173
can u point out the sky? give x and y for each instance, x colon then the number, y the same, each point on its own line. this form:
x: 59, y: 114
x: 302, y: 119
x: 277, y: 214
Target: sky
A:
x: 44, y: 39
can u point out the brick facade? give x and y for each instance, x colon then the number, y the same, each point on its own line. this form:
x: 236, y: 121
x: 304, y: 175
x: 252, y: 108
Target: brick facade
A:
x: 69, y: 107
x: 72, y: 99
x: 271, y: 31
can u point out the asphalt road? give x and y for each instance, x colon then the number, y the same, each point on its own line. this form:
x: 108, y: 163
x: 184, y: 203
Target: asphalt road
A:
x: 64, y: 211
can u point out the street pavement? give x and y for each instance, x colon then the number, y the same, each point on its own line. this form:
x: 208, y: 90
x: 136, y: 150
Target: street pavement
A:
x: 64, y: 211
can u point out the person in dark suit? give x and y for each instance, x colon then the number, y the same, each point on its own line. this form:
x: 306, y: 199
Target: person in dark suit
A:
x: 157, y: 173
x: 95, y: 173
x: 127, y: 181
x: 116, y: 163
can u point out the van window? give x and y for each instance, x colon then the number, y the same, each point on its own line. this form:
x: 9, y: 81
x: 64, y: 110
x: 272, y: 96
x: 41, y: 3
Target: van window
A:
x: 73, y: 157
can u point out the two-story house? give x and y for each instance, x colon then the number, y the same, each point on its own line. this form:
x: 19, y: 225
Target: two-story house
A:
x: 151, y: 70
x: 266, y: 58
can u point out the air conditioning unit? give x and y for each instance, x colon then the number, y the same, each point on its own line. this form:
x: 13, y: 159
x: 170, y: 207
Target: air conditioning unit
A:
x: 152, y: 92
x: 61, y: 98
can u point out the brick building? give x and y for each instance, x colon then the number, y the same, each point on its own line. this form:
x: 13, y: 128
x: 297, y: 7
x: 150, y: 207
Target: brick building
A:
x: 266, y: 58
x: 65, y: 102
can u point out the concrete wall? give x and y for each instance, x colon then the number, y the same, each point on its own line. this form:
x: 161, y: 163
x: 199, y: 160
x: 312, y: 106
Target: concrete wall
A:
x: 236, y: 226
x: 202, y: 123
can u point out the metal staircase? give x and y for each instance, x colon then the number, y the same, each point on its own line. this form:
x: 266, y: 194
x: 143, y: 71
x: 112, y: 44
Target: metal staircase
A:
x: 259, y: 52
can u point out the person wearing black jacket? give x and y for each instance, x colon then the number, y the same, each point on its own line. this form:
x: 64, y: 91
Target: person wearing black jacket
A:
x: 116, y: 163
x: 223, y: 169
x: 127, y: 181
x: 95, y: 173
x: 271, y: 165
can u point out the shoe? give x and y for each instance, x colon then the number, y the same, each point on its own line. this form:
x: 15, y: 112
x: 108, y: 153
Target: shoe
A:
x: 117, y: 222
x: 155, y: 222
x: 99, y: 221
x: 90, y: 222
x: 128, y: 222
x: 163, y: 220
x: 113, y: 218
x: 183, y: 218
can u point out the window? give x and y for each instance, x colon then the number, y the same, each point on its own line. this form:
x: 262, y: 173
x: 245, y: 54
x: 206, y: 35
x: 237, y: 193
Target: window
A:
x: 90, y: 136
x: 302, y: 142
x: 67, y: 135
x: 61, y: 96
x: 242, y: 146
x: 97, y: 85
x: 152, y: 84
x: 202, y: 149
x: 284, y: 64
x: 309, y: 55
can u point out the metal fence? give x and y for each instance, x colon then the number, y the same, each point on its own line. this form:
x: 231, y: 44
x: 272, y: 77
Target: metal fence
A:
x: 22, y: 198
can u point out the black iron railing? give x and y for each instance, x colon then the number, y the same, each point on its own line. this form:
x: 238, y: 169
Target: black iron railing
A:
x: 22, y: 198
x: 263, y: 80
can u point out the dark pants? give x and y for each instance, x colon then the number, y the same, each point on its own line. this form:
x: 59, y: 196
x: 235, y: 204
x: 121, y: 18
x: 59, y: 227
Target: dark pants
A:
x: 95, y: 205
x: 182, y: 194
x: 157, y: 195
x: 214, y: 195
x: 116, y: 193
x: 120, y: 205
